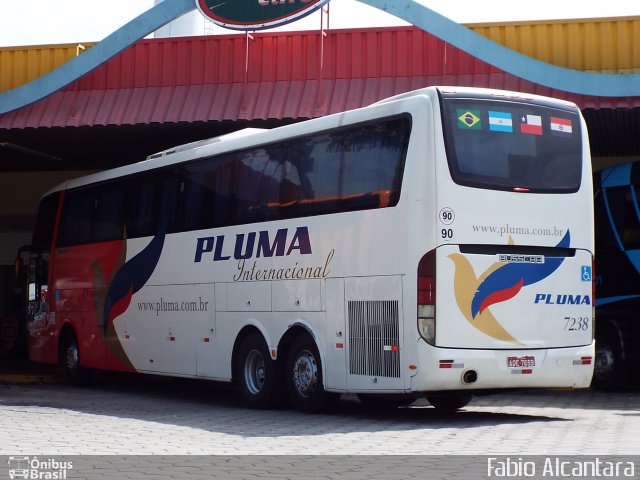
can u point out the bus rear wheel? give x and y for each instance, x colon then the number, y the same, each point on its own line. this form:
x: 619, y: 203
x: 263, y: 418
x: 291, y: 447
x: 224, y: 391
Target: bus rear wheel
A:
x: 257, y: 376
x: 450, y: 402
x: 304, y: 377
x: 387, y: 400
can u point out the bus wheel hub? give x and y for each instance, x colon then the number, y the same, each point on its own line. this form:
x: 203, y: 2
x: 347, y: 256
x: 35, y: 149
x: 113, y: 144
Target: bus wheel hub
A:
x: 305, y: 374
x: 254, y: 372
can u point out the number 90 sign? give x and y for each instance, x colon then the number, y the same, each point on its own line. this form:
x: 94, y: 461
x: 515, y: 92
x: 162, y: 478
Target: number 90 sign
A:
x: 446, y: 218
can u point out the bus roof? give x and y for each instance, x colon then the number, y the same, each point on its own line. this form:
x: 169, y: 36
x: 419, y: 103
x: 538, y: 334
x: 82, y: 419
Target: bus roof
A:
x: 457, y: 91
x: 245, y: 132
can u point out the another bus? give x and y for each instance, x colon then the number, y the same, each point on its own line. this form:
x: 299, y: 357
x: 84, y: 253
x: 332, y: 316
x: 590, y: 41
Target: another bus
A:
x: 438, y: 243
x: 617, y: 210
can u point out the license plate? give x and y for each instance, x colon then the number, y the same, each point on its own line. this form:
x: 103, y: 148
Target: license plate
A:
x: 521, y: 362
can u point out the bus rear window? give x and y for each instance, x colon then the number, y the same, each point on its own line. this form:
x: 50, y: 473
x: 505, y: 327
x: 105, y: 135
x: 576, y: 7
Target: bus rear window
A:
x: 512, y: 146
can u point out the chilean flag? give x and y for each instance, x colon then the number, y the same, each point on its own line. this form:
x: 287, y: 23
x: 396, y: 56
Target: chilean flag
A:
x: 561, y: 127
x: 531, y: 124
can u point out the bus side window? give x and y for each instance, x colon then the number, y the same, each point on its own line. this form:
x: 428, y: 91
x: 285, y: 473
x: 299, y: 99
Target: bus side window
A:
x: 321, y: 182
x: 165, y: 201
x: 219, y: 181
x: 265, y: 179
x: 604, y: 236
x: 204, y: 191
x: 373, y: 162
x: 298, y: 162
x: 632, y: 223
x: 196, y: 203
x: 624, y: 211
x: 91, y: 215
x: 142, y: 212
x: 43, y: 233
x: 108, y: 214
x: 75, y: 224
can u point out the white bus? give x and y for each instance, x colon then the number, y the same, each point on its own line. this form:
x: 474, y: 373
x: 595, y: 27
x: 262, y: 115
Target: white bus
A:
x: 438, y: 243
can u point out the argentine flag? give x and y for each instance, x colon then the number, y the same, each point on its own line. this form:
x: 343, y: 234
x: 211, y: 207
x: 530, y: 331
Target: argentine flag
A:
x: 500, y: 122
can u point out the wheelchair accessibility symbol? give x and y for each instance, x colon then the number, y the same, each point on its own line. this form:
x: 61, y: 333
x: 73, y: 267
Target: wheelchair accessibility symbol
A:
x: 586, y: 273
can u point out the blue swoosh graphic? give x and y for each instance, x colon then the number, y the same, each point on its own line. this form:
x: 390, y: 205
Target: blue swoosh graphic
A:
x: 607, y: 300
x: 133, y: 275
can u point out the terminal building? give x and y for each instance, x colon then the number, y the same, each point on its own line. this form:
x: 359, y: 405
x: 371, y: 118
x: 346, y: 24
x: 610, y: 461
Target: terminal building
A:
x: 163, y: 92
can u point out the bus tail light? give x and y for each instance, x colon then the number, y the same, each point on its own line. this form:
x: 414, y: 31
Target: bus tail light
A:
x: 427, y: 297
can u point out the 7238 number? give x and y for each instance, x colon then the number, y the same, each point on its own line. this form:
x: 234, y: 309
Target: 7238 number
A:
x: 576, y: 324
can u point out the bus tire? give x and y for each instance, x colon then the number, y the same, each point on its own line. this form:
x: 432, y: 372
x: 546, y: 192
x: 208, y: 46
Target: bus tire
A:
x: 450, y: 402
x: 257, y: 376
x: 304, y: 377
x: 75, y: 373
x: 608, y: 369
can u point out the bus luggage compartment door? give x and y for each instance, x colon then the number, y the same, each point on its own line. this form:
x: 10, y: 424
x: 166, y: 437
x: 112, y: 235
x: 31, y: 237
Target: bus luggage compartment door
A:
x: 503, y: 296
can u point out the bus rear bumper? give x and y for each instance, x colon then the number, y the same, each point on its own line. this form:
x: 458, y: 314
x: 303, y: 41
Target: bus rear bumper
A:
x: 464, y: 369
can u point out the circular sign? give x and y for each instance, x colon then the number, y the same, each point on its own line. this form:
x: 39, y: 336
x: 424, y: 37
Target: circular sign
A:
x: 256, y: 14
x: 447, y: 216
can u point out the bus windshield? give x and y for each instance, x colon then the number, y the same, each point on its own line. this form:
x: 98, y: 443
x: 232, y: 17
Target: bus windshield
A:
x: 512, y: 146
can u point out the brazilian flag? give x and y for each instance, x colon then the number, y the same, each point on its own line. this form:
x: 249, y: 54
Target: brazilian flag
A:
x: 469, y: 119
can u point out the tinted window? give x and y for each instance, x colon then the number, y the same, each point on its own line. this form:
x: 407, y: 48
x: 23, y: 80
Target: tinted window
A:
x: 43, y: 233
x: 372, y: 162
x: 357, y: 167
x: 151, y: 199
x: 507, y: 145
x: 352, y: 168
x: 108, y: 215
x: 622, y: 203
x: 92, y: 215
x: 75, y: 223
x: 143, y: 216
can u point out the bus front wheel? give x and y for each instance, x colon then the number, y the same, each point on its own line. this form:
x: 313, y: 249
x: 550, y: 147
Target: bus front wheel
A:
x: 608, y: 368
x: 256, y: 375
x: 70, y: 361
x: 304, y: 377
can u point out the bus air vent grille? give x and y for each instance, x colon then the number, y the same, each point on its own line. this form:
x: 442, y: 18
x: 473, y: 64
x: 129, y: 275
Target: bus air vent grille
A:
x: 374, y: 338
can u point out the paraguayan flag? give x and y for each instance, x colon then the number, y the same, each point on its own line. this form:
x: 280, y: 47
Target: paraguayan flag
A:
x: 561, y: 127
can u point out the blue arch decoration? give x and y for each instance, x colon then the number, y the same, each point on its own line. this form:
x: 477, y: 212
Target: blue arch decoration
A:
x: 574, y: 81
x: 138, y: 28
x: 560, y: 78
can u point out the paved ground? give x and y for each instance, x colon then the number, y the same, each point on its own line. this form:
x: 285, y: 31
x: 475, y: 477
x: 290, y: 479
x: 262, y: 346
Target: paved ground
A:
x: 140, y: 416
x: 138, y: 427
